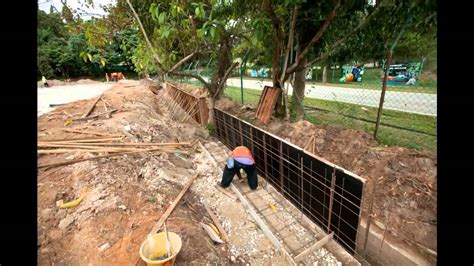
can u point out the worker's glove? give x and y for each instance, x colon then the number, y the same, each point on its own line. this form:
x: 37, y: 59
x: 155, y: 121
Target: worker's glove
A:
x: 230, y: 163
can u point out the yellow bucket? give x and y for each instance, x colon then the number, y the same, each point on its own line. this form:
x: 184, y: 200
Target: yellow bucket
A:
x: 155, y: 246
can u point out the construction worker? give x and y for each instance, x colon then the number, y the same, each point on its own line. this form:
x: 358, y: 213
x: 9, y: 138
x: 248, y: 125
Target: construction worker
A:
x: 45, y: 82
x: 240, y: 158
x: 121, y: 76
x: 114, y: 76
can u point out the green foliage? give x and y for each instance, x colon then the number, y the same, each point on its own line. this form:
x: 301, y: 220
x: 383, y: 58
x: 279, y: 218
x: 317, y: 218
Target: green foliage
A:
x: 89, y: 48
x: 211, y: 128
x: 151, y: 198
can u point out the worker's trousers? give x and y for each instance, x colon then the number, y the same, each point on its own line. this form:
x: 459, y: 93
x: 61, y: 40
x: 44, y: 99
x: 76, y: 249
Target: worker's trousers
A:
x: 229, y: 174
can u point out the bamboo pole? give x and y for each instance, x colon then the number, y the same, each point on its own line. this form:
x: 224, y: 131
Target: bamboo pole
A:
x: 90, y: 132
x: 170, y: 144
x: 94, y: 158
x: 80, y: 140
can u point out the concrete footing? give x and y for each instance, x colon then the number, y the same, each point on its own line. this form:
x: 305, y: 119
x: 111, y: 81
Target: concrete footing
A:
x: 388, y: 253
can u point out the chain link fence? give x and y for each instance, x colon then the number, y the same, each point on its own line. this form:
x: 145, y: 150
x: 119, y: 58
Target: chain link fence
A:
x: 409, y: 110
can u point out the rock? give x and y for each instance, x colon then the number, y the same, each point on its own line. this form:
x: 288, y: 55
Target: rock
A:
x: 232, y: 258
x: 104, y: 247
x: 64, y: 223
x: 123, y: 207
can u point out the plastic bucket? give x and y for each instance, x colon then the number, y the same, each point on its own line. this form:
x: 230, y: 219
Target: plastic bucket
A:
x: 155, y: 246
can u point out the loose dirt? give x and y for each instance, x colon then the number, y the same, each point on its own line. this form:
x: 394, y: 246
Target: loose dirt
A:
x: 125, y: 196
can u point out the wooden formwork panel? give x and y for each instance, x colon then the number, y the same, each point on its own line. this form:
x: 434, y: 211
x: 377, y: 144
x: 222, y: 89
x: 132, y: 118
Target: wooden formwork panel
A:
x: 196, y: 107
x: 267, y: 103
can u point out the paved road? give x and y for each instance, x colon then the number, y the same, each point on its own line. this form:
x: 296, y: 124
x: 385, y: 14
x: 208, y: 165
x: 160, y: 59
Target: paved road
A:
x: 421, y: 103
x: 67, y: 94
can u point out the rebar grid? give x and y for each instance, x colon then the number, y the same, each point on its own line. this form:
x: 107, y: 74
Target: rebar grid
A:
x: 321, y: 192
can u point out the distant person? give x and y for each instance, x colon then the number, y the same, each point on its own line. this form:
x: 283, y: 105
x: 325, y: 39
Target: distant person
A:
x: 356, y: 71
x: 240, y: 158
x: 114, y: 76
x: 121, y: 76
x: 411, y: 81
x: 45, y: 82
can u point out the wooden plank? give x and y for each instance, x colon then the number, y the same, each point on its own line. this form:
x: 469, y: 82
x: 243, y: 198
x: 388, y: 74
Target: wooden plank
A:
x: 224, y: 235
x: 271, y: 105
x: 314, y: 247
x: 227, y: 193
x: 173, y: 205
x: 95, y: 116
x: 92, y: 106
x: 90, y: 132
x: 267, y: 104
x: 260, y: 101
x: 170, y: 209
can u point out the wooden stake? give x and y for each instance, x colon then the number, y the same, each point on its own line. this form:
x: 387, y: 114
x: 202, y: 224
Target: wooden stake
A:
x: 92, y: 106
x: 314, y: 247
x: 94, y: 116
x: 224, y: 235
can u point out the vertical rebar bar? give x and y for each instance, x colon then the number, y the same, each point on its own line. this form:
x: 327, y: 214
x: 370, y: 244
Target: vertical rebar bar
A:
x: 281, y: 166
x: 331, y: 198
x: 369, y: 220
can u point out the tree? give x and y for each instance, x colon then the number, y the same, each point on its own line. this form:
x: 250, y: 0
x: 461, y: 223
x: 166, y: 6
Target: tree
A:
x: 186, y: 31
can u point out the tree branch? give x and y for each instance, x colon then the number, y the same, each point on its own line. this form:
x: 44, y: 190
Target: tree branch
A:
x: 289, y: 46
x: 182, y: 74
x: 333, y: 47
x: 155, y: 55
x: 223, y: 80
x: 182, y: 61
x: 274, y: 18
x: 315, y: 38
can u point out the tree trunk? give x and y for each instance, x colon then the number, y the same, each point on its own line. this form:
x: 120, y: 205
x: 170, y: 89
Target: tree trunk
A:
x: 276, y: 74
x: 325, y: 74
x: 224, y: 61
x: 297, y: 98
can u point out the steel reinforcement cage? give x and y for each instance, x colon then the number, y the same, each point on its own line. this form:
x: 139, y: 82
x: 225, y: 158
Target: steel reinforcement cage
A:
x: 328, y: 195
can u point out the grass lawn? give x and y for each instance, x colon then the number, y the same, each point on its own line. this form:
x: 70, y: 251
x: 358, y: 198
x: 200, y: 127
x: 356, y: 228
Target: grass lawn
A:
x: 387, y: 135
